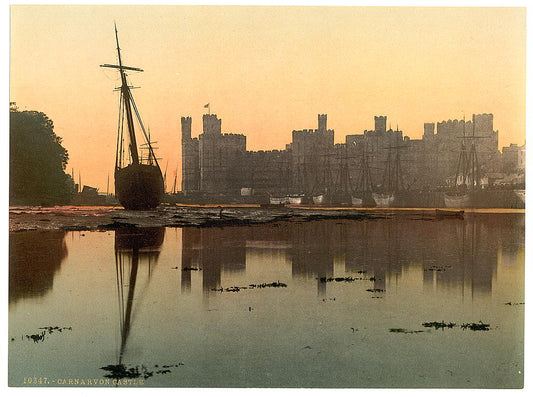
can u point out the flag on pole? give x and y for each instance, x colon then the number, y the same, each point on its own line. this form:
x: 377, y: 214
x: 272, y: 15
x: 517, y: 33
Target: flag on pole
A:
x: 206, y: 106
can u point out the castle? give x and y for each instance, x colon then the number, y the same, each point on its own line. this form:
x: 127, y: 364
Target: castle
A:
x: 219, y: 163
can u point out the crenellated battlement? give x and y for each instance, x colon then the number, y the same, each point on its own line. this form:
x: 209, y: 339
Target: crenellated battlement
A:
x: 212, y: 125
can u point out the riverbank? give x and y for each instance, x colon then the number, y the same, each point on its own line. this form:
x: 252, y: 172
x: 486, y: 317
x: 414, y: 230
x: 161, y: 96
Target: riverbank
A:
x: 110, y: 218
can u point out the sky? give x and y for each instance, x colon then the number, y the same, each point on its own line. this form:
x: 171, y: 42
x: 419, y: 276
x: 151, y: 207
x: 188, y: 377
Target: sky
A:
x: 265, y: 71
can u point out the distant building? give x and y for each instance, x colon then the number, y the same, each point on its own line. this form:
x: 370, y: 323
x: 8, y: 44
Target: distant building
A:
x: 514, y: 159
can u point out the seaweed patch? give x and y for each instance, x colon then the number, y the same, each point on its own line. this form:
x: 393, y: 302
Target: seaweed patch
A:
x: 41, y: 336
x: 275, y: 284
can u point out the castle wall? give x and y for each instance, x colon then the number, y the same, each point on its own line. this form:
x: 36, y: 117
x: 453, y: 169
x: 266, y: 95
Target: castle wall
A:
x: 221, y: 162
x: 312, y: 163
x: 268, y: 172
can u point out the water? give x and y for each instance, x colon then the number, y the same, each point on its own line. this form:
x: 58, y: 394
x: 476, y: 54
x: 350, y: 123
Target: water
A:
x: 169, y: 305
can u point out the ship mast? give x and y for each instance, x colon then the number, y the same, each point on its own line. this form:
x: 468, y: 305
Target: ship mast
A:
x: 126, y: 94
x: 127, y: 100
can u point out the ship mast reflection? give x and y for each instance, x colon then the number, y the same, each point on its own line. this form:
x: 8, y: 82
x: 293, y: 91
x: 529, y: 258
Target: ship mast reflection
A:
x: 134, y: 247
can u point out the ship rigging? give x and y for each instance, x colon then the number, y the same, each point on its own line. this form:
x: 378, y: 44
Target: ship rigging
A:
x: 138, y: 181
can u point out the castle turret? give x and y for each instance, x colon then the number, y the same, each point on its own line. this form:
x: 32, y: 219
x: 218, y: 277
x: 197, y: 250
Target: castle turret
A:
x: 190, y: 172
x: 186, y: 124
x: 212, y: 124
x: 322, y: 122
x: 429, y: 129
x: 380, y: 123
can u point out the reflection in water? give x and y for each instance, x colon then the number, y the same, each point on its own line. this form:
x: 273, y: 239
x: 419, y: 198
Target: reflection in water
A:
x: 452, y: 251
x: 322, y: 329
x: 34, y: 258
x: 213, y: 250
x: 134, y: 247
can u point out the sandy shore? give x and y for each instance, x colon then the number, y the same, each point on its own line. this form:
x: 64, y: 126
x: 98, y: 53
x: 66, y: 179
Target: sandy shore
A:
x: 109, y: 218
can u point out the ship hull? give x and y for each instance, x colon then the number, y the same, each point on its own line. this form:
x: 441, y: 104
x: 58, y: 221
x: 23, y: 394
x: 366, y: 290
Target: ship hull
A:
x: 364, y: 199
x: 295, y: 199
x: 383, y: 200
x: 521, y: 194
x: 139, y: 186
x: 278, y: 200
x: 357, y: 201
x: 457, y: 200
x: 319, y: 199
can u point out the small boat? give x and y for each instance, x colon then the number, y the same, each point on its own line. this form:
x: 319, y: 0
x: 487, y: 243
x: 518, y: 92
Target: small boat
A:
x: 457, y: 200
x: 319, y: 199
x: 440, y: 214
x: 247, y: 191
x: 278, y: 200
x: 521, y: 194
x: 363, y: 199
x: 383, y: 199
x: 295, y: 199
x: 139, y: 182
x: 357, y: 201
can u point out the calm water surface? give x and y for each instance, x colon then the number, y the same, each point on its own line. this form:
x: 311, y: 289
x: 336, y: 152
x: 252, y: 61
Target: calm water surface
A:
x: 332, y: 303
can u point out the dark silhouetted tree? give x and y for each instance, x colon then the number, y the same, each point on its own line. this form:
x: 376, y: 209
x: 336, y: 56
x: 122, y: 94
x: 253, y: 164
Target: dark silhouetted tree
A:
x: 37, y: 161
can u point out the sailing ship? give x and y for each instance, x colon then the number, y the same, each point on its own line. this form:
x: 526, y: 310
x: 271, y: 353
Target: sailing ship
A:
x: 385, y: 195
x: 341, y: 191
x: 323, y: 183
x: 362, y: 196
x: 296, y: 197
x: 138, y: 180
x: 467, y: 178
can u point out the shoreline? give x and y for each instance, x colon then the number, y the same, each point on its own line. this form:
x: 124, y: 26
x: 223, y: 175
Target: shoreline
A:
x: 87, y: 218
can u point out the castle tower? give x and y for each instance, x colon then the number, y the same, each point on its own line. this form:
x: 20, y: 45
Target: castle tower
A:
x: 322, y: 122
x: 186, y: 124
x: 190, y: 172
x: 484, y: 124
x: 212, y: 124
x: 429, y: 129
x: 380, y: 123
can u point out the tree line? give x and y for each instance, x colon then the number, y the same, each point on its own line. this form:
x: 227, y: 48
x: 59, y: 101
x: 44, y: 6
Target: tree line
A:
x: 37, y: 161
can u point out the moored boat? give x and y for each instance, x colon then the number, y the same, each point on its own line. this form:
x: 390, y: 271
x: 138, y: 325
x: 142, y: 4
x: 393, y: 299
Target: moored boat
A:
x: 363, y: 199
x: 319, y: 199
x: 295, y: 199
x: 467, y: 177
x: 521, y: 194
x: 457, y: 200
x: 383, y: 199
x: 278, y: 200
x: 138, y: 182
x: 357, y: 201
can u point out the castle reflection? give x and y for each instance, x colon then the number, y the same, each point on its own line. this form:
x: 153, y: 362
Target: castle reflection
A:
x: 450, y: 252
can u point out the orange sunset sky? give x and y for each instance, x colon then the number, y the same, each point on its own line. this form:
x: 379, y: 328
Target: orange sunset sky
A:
x: 265, y: 71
